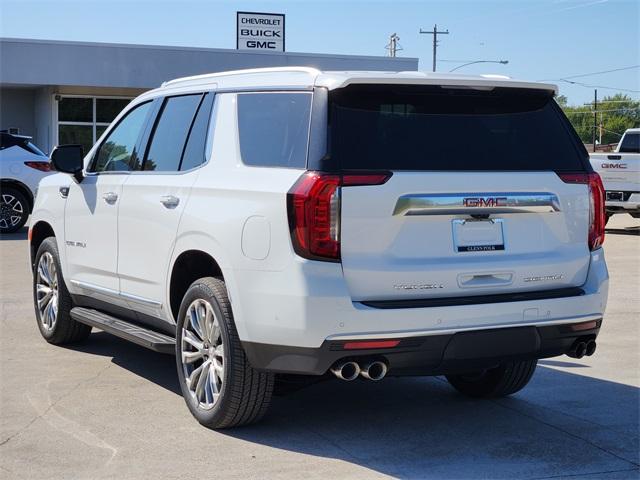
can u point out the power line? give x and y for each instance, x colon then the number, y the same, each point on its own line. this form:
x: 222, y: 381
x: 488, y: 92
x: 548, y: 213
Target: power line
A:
x: 590, y: 112
x: 594, y: 73
x: 580, y: 84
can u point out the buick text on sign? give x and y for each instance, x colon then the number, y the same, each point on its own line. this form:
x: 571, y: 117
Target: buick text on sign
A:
x: 260, y: 31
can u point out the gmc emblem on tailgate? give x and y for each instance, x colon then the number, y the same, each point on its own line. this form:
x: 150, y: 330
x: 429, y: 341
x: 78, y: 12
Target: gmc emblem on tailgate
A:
x: 484, y: 201
x: 614, y: 165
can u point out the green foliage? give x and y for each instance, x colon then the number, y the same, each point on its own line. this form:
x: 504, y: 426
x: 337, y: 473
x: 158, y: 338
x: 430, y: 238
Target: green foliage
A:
x: 615, y: 113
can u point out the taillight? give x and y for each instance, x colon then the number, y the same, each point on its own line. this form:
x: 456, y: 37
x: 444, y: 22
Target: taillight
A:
x: 597, y: 218
x: 42, y: 166
x: 313, y: 206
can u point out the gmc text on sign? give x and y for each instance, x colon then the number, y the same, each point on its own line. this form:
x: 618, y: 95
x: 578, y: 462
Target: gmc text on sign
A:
x: 260, y: 31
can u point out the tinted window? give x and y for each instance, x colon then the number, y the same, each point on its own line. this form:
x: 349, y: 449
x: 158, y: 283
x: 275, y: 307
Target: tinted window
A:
x: 71, y: 109
x: 108, y: 108
x: 117, y: 151
x: 194, y: 150
x: 274, y: 128
x: 434, y: 128
x: 630, y: 143
x: 170, y: 133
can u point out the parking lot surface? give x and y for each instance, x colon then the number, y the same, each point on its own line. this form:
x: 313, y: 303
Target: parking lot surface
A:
x: 110, y: 409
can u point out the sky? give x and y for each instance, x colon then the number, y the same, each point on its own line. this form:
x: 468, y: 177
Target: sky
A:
x: 542, y: 39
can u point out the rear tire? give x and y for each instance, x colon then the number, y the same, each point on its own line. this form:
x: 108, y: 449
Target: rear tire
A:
x: 52, y: 300
x: 218, y: 384
x: 14, y: 209
x: 501, y: 381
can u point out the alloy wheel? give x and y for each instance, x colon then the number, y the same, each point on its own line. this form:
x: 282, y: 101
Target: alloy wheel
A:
x: 47, y: 291
x: 11, y: 211
x: 202, y: 354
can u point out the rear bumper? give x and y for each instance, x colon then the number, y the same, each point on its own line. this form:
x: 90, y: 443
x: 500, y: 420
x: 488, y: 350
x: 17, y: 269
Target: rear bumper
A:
x: 431, y: 354
x: 288, y: 320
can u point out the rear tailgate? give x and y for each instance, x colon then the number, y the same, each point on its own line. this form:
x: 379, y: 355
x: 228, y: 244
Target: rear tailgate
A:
x: 475, y: 204
x: 619, y: 171
x: 415, y: 236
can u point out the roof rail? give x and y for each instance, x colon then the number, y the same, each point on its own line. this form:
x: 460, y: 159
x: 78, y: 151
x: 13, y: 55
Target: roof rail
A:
x: 213, y: 76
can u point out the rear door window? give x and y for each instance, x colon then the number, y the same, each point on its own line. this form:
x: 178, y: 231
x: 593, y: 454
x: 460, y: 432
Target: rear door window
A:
x: 274, y: 128
x: 194, y: 150
x: 170, y: 133
x: 447, y: 129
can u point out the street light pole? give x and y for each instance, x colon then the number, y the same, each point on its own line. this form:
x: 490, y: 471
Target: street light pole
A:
x: 502, y: 62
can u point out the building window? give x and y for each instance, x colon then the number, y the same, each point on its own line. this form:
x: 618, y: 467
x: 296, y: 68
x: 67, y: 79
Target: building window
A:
x: 81, y: 120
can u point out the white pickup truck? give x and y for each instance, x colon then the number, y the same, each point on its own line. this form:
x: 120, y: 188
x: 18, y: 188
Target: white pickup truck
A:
x: 620, y: 173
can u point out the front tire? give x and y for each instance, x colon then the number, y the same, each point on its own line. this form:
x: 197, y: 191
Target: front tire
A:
x: 508, y: 378
x: 14, y: 210
x: 52, y: 300
x: 218, y: 384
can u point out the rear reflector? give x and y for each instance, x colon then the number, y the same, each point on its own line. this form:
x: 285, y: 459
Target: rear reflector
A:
x: 42, y: 166
x: 365, y: 344
x: 597, y: 217
x: 578, y: 327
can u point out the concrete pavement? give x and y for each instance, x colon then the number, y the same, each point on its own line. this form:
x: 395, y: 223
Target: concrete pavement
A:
x: 109, y: 409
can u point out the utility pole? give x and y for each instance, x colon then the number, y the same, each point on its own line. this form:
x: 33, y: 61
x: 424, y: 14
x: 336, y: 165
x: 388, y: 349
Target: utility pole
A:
x: 435, y: 34
x: 393, y: 45
x: 595, y: 117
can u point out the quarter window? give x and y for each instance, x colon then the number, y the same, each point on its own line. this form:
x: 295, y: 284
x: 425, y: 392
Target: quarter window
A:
x: 274, y: 128
x: 117, y: 153
x: 170, y: 133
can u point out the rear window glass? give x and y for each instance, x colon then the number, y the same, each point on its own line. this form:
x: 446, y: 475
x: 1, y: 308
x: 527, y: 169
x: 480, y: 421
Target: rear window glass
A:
x: 434, y: 128
x: 630, y: 143
x: 274, y: 128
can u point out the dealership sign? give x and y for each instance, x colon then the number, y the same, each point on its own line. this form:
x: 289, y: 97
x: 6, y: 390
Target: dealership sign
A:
x: 260, y: 31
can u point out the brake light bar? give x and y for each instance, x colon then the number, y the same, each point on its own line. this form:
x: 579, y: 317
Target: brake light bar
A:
x: 597, y: 218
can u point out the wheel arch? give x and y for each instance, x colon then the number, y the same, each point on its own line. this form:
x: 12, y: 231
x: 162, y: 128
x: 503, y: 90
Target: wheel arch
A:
x: 18, y: 185
x: 37, y: 234
x: 189, y: 266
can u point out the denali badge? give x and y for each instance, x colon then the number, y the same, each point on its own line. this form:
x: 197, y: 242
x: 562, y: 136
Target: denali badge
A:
x: 543, y: 278
x: 75, y: 244
x: 484, y: 201
x: 421, y: 286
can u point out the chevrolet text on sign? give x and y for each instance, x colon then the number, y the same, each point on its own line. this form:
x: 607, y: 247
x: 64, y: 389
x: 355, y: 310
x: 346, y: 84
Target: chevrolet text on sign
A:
x: 260, y: 31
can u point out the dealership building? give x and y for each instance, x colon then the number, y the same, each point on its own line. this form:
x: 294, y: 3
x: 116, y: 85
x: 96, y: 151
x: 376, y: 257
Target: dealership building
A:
x: 68, y: 92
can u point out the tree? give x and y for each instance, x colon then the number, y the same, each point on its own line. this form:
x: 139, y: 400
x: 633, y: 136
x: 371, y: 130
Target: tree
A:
x: 616, y: 114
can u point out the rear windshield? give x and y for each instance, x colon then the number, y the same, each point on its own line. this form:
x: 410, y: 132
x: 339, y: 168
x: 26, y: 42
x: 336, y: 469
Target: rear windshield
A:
x: 435, y: 128
x: 630, y: 143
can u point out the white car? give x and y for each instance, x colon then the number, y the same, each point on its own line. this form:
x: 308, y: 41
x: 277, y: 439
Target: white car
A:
x: 22, y: 166
x: 279, y: 224
x: 620, y: 172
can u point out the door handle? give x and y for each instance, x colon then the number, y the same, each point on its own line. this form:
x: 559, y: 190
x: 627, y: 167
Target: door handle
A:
x: 110, y: 197
x: 169, y: 201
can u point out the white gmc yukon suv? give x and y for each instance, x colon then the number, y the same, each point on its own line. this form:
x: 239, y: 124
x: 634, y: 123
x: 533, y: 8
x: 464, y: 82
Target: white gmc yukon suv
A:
x: 275, y: 225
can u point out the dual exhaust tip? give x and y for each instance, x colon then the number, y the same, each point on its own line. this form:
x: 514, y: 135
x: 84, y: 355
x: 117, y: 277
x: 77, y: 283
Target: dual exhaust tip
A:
x: 580, y: 349
x: 348, y: 371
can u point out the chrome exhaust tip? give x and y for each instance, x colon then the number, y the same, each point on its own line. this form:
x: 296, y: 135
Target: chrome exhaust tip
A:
x: 346, y: 371
x: 374, y: 370
x: 591, y: 348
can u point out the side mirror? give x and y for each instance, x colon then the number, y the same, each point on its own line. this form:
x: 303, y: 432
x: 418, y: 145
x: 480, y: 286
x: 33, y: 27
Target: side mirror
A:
x: 68, y: 159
